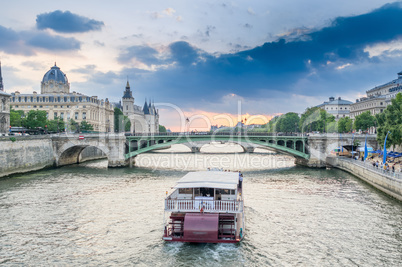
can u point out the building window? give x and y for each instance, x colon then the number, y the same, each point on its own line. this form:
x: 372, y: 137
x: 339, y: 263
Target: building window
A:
x: 34, y: 106
x: 29, y: 106
x: 380, y: 110
x: 380, y: 103
x: 55, y: 106
x: 41, y: 106
x: 55, y: 115
x: 84, y: 106
x: 76, y: 115
x: 62, y: 116
x: 68, y: 116
x: 61, y: 106
x: 126, y: 107
x: 84, y: 115
x: 68, y: 106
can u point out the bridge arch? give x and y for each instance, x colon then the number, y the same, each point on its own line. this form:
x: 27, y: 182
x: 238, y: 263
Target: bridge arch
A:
x: 70, y: 153
x: 283, y: 144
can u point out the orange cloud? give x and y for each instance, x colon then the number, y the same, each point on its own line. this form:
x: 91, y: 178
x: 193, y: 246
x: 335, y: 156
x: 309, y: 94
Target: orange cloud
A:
x: 201, y: 120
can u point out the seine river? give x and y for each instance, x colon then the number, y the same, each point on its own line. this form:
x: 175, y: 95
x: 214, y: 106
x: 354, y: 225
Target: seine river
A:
x: 89, y: 215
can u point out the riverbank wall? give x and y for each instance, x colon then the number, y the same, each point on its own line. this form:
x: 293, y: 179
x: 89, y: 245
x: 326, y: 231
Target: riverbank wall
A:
x: 32, y: 153
x: 25, y: 155
x: 384, y: 182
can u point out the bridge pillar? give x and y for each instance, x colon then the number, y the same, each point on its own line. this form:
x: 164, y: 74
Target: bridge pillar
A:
x: 195, y: 149
x: 116, y: 145
x: 248, y: 149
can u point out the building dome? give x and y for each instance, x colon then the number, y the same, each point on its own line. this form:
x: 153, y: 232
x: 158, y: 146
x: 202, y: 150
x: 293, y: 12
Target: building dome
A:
x: 55, y: 74
x: 55, y: 81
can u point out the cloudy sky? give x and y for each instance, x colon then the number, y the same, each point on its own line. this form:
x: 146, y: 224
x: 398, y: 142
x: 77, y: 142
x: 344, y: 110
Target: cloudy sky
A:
x: 208, y: 58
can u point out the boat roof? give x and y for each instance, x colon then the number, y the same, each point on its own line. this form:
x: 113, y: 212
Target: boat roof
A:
x: 209, y: 179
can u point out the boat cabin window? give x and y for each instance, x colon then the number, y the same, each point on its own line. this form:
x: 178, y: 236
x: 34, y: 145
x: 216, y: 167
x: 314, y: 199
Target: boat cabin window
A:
x: 186, y: 191
x: 204, y: 192
x: 225, y: 192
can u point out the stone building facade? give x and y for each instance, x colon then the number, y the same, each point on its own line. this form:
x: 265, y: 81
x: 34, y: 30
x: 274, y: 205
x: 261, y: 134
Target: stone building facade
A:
x: 4, y: 112
x: 143, y: 120
x: 339, y: 107
x: 55, y: 98
x: 4, y: 107
x: 378, y: 98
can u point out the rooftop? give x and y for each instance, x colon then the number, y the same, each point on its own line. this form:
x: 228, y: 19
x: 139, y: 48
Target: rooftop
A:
x: 209, y: 179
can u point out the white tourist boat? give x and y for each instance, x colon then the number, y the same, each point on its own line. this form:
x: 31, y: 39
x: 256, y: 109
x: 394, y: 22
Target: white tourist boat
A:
x: 205, y: 207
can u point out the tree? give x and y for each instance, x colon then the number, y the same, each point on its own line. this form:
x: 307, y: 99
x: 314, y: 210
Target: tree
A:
x: 162, y: 129
x: 391, y: 120
x: 56, y: 125
x: 316, y: 119
x: 72, y: 126
x: 85, y: 126
x: 364, y: 121
x: 345, y: 125
x: 35, y: 119
x: 16, y: 118
x: 288, y: 122
x: 120, y: 121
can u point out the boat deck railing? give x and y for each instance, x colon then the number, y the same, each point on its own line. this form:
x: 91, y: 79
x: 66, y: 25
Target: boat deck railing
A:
x: 184, y: 205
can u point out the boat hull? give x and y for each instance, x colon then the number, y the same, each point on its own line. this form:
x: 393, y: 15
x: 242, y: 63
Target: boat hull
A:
x: 204, y: 228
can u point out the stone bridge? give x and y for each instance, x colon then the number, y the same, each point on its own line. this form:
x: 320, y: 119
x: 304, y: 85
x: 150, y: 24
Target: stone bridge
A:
x: 68, y: 147
x: 120, y: 150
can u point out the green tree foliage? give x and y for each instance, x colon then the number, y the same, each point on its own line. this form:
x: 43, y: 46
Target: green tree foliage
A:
x: 391, y: 120
x: 56, y: 125
x: 120, y: 121
x: 85, y: 126
x: 288, y: 122
x: 345, y: 125
x: 16, y: 118
x: 162, y: 129
x: 364, y: 121
x: 35, y: 119
x: 72, y: 126
x: 272, y: 124
x: 316, y: 119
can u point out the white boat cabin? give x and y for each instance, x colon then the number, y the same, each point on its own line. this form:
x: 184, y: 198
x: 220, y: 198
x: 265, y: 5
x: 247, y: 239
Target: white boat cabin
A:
x: 208, y: 191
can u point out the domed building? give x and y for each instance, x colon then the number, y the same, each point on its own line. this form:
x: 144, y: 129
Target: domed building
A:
x: 55, y: 81
x: 55, y: 98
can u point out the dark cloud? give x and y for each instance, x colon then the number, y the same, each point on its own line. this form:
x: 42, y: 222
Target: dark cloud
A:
x: 25, y: 43
x: 50, y: 42
x: 296, y: 65
x: 183, y: 53
x: 67, y: 22
x: 11, y: 42
x: 142, y: 53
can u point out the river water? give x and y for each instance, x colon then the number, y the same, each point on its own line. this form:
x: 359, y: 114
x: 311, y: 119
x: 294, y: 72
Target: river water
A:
x: 89, y: 215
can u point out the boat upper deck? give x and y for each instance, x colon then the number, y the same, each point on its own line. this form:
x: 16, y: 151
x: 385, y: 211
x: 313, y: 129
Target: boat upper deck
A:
x: 206, y: 191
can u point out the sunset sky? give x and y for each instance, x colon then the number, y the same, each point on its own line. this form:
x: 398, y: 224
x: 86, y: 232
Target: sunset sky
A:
x: 207, y: 59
